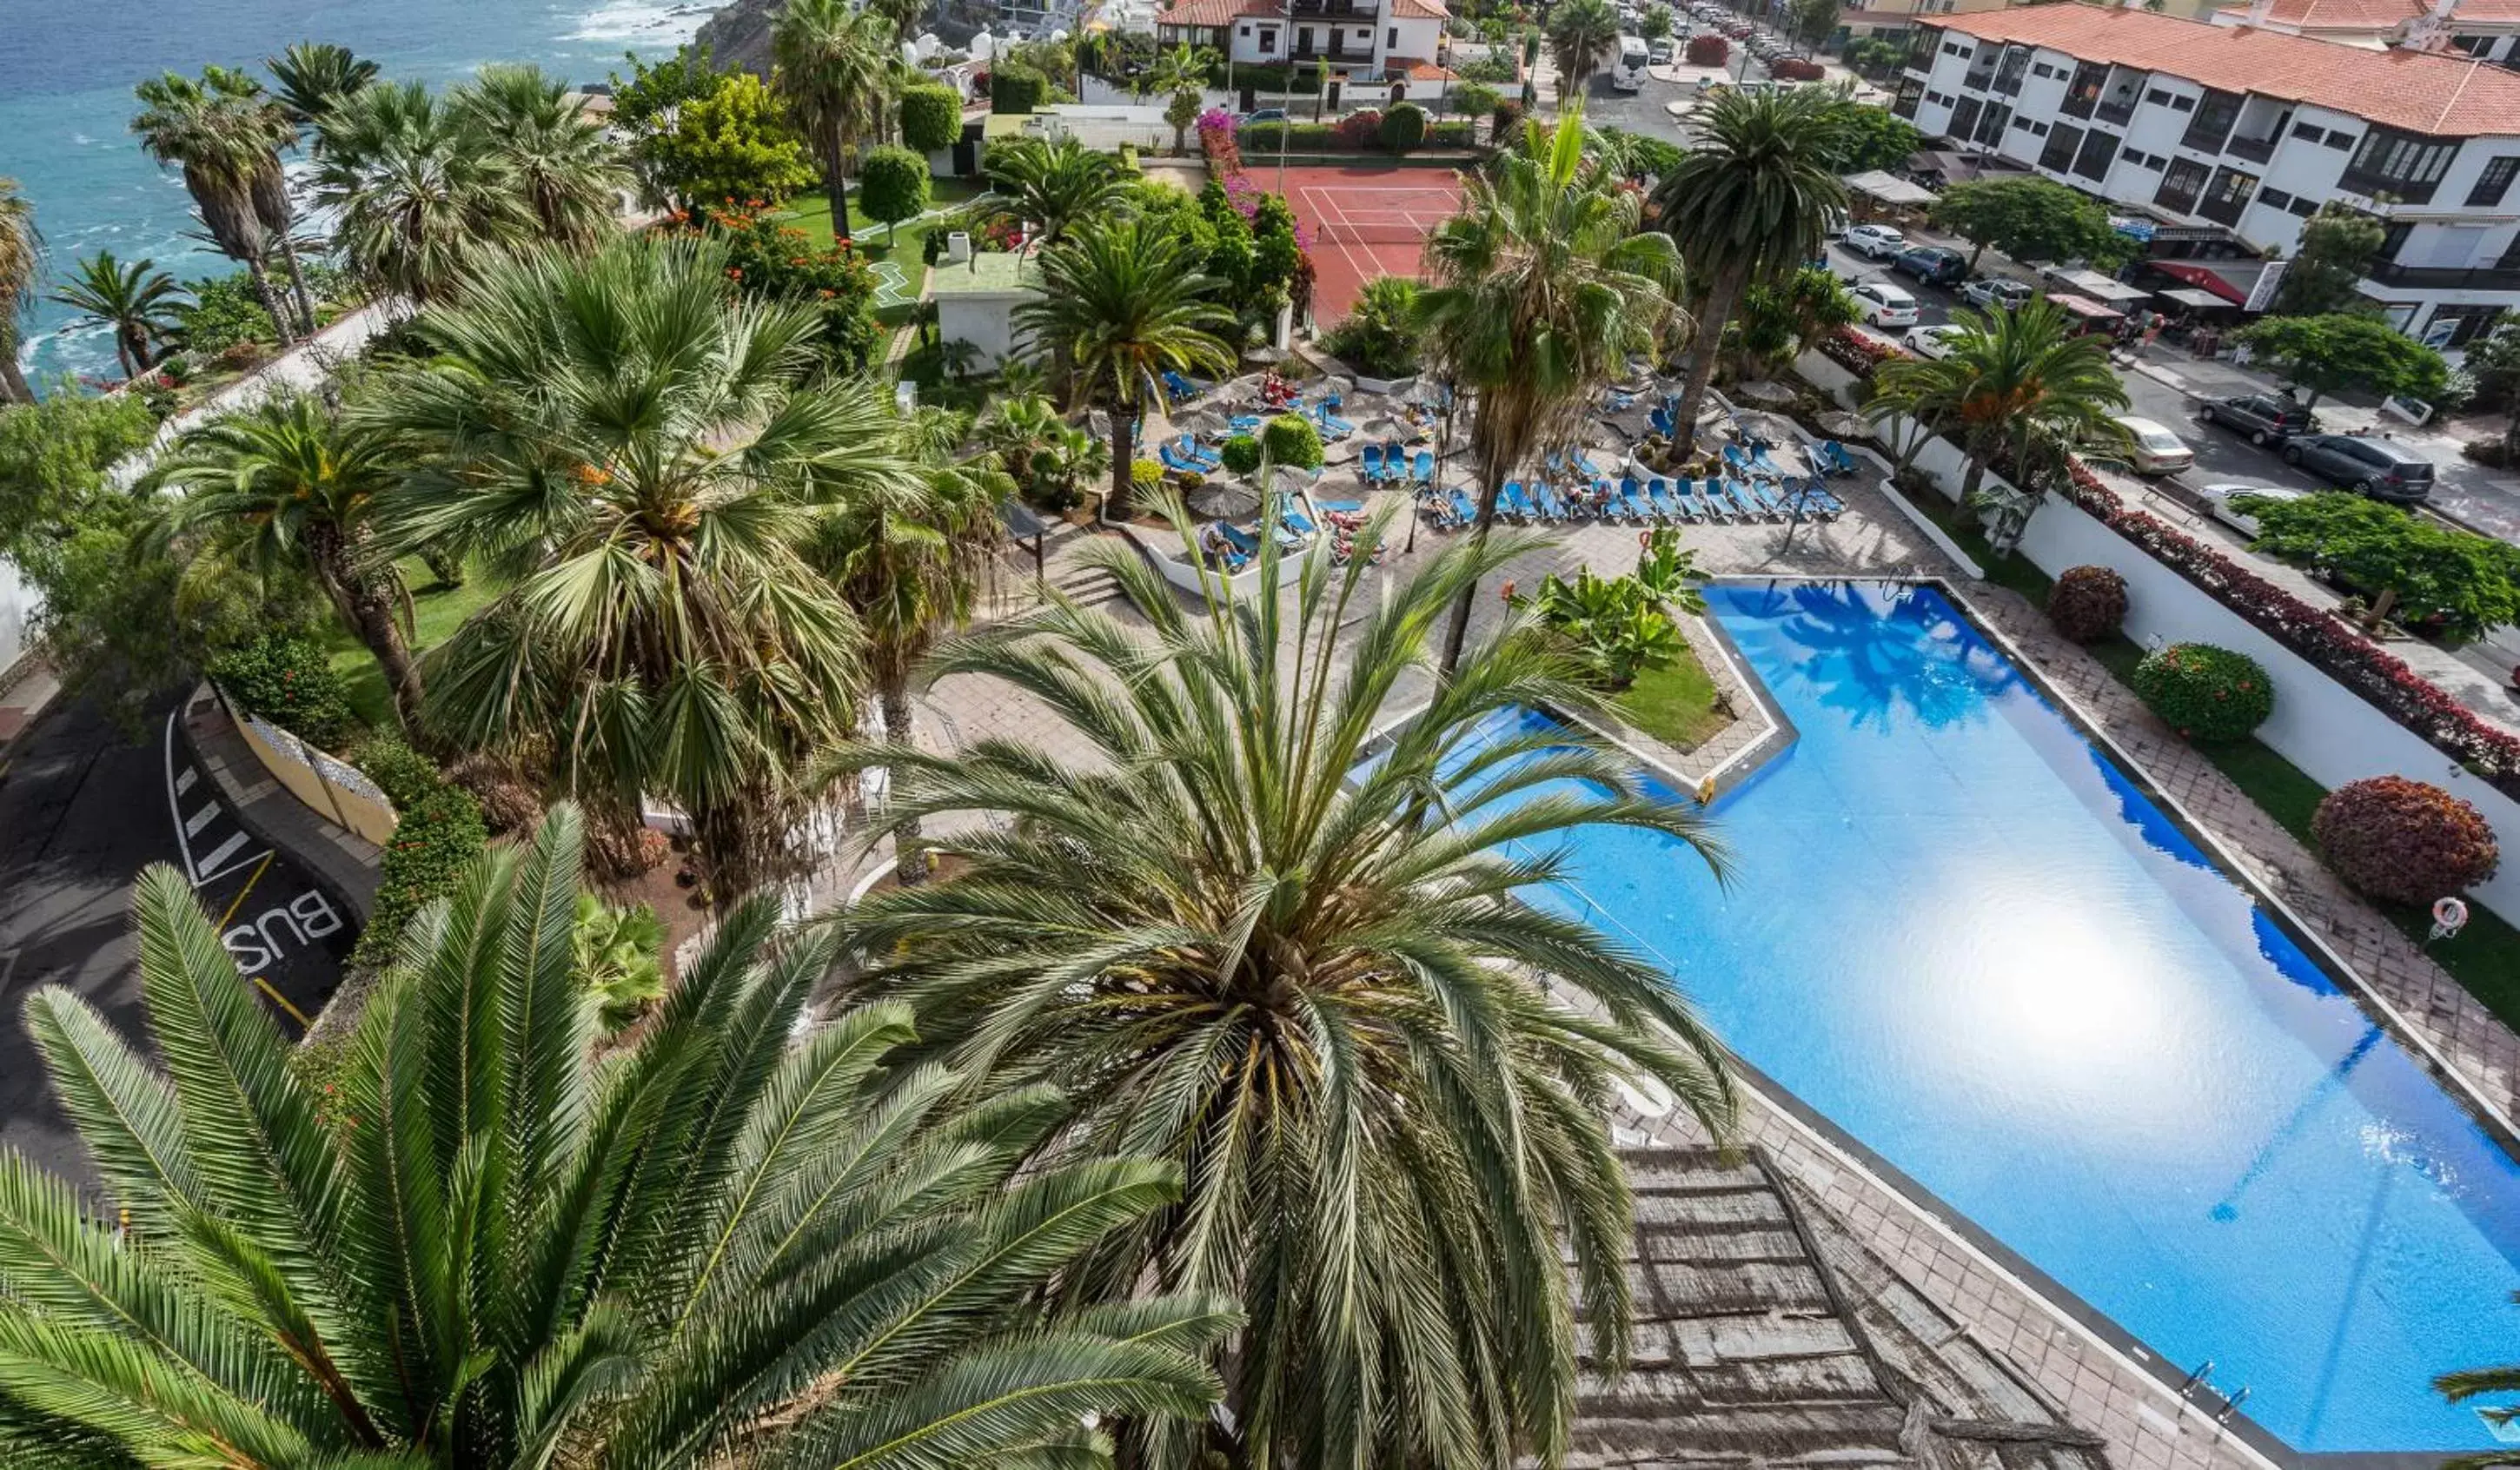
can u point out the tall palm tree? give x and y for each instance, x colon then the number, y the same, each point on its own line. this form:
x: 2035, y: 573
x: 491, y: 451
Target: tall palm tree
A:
x: 313, y: 75
x: 2019, y: 388
x: 209, y: 129
x: 1051, y: 188
x: 1540, y: 289
x: 744, y: 1238
x: 22, y: 260
x: 1120, y: 304
x: 135, y: 299
x: 1581, y: 32
x: 290, y: 484
x: 1179, y: 76
x: 554, y: 158
x: 422, y: 204
x: 1249, y: 938
x: 833, y: 65
x: 636, y: 454
x: 1751, y: 200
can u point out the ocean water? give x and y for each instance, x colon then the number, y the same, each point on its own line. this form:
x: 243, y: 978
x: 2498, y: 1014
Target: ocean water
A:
x: 68, y: 67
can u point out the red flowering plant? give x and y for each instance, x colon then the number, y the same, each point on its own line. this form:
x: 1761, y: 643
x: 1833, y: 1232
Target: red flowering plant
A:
x: 2402, y: 840
x: 1359, y: 130
x: 769, y: 257
x: 1216, y: 139
x: 1856, y: 352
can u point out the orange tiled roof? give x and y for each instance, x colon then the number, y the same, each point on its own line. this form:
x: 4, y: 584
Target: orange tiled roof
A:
x: 1420, y: 10
x: 1218, y: 11
x: 2442, y: 95
x: 1414, y: 69
x: 2375, y: 17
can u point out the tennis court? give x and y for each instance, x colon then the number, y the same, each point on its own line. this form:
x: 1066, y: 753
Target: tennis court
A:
x: 1365, y: 222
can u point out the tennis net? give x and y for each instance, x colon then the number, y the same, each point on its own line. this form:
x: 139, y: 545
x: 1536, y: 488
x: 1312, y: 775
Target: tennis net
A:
x: 1373, y: 230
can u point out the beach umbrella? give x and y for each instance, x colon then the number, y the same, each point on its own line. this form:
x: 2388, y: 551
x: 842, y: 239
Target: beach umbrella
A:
x: 1839, y: 424
x: 1773, y: 394
x: 1225, y: 499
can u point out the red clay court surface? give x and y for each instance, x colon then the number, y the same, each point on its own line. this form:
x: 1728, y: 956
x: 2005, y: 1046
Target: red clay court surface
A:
x: 1365, y: 222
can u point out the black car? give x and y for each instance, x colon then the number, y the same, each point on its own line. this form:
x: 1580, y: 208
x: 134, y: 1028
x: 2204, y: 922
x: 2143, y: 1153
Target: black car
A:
x: 2266, y: 418
x: 2377, y: 468
x: 1932, y: 264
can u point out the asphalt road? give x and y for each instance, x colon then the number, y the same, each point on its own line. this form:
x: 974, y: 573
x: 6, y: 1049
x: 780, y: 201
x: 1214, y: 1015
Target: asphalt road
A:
x: 82, y: 811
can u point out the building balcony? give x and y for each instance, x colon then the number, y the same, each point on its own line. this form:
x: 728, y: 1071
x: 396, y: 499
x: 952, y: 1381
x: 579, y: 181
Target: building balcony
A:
x: 2119, y: 112
x: 2077, y: 104
x: 2386, y: 191
x: 2455, y: 278
x: 1336, y: 10
x: 1979, y: 81
x: 2257, y: 150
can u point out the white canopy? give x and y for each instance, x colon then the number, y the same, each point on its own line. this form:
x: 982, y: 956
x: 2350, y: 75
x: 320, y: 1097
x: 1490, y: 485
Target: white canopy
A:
x: 1889, y: 188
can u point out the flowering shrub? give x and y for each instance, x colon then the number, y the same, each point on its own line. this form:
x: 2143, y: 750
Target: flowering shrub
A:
x: 2087, y: 604
x: 1708, y: 49
x: 1359, y: 130
x: 1216, y: 139
x: 285, y: 678
x: 2402, y: 840
x: 2206, y: 693
x: 1856, y: 352
x: 768, y: 259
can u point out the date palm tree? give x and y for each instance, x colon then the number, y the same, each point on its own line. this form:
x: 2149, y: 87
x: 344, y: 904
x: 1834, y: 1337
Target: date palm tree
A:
x: 746, y: 1237
x: 214, y: 132
x: 136, y: 299
x: 833, y: 67
x: 1540, y: 289
x: 1120, y: 304
x: 21, y: 260
x: 635, y: 454
x: 552, y: 155
x: 1252, y: 940
x: 290, y: 484
x: 313, y: 75
x: 2470, y: 1383
x: 1751, y: 201
x: 1581, y: 32
x: 1179, y: 76
x: 1051, y: 188
x: 423, y: 203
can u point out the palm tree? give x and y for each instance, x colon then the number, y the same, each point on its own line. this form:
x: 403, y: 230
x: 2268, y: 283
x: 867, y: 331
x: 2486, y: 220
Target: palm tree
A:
x: 136, y: 299
x: 1541, y: 287
x: 1046, y: 456
x: 291, y: 485
x: 1581, y: 32
x: 835, y: 68
x: 1051, y: 187
x: 1179, y: 76
x: 636, y: 454
x: 554, y: 157
x: 212, y: 131
x: 2019, y: 388
x: 2466, y: 1384
x: 1251, y: 940
x: 1119, y: 305
x: 22, y: 260
x: 906, y: 553
x: 422, y: 204
x: 1751, y: 201
x: 744, y: 1238
x: 314, y: 75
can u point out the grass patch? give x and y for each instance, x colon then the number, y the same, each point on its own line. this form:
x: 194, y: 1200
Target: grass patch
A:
x: 437, y: 611
x: 2014, y: 573
x: 812, y: 213
x: 1676, y: 706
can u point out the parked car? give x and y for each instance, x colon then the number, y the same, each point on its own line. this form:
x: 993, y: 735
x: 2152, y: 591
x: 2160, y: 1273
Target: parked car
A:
x: 1933, y: 342
x: 2381, y: 469
x: 1660, y: 52
x: 2152, y: 448
x: 2218, y: 504
x: 1874, y: 241
x: 1881, y: 304
x: 2266, y: 418
x: 1266, y: 115
x: 1932, y: 264
x: 1994, y: 293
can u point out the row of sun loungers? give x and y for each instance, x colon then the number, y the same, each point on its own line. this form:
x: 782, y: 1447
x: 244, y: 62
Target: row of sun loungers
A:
x: 1654, y: 500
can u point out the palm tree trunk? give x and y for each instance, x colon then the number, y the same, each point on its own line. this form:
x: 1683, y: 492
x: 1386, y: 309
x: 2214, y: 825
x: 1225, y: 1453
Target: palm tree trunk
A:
x: 1119, y: 503
x: 1720, y: 299
x: 911, y: 865
x: 298, y: 287
x: 13, y: 387
x: 835, y: 154
x: 123, y: 355
x: 1457, y: 631
x: 370, y: 616
x: 270, y: 299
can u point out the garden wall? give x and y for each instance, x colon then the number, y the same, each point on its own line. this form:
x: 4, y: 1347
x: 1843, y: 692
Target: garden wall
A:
x: 332, y: 789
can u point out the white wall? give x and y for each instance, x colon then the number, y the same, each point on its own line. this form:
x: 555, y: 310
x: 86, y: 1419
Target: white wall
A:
x: 986, y: 322
x: 19, y: 605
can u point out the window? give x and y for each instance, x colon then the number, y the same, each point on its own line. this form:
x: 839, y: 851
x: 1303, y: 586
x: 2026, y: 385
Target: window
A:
x: 1963, y: 125
x: 2496, y: 181
x: 2473, y: 45
x: 2099, y: 150
x: 2180, y: 183
x: 2339, y: 140
x: 2274, y: 199
x: 1390, y: 37
x: 2156, y: 95
x: 2227, y: 196
x: 2398, y: 164
x: 2310, y: 131
x: 2211, y: 127
x: 2183, y: 104
x: 1992, y: 129
x: 1268, y: 42
x: 2305, y: 207
x: 2039, y: 129
x: 2021, y: 124
x: 2062, y: 143
x: 2042, y: 69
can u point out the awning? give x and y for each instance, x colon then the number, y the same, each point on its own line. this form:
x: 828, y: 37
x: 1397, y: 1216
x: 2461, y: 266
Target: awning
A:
x: 2202, y: 301
x: 1956, y: 167
x: 2083, y: 308
x: 2099, y: 288
x: 1889, y: 188
x: 2204, y: 277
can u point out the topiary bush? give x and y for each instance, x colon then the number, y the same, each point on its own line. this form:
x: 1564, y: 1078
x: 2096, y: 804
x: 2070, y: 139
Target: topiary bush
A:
x: 2403, y: 841
x: 2205, y: 693
x: 1404, y: 127
x: 931, y: 118
x: 1708, y: 49
x: 2087, y: 604
x: 286, y: 679
x: 1241, y: 453
x: 1016, y: 88
x: 1291, y: 440
x: 892, y: 186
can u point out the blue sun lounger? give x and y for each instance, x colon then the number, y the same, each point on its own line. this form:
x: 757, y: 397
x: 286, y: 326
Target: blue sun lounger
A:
x: 1662, y: 422
x: 1817, y: 502
x: 1203, y: 460
x: 1640, y: 510
x: 1761, y: 464
x: 1513, y: 504
x: 1173, y: 460
x: 1465, y: 508
x: 1240, y: 539
x: 1370, y: 465
x: 1245, y: 424
x: 1735, y: 461
x: 1831, y: 458
x: 1339, y: 507
x: 1760, y: 498
x: 1422, y: 467
x: 1179, y: 387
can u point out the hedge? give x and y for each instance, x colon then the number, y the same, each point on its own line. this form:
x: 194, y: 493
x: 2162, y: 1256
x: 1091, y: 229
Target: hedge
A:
x: 288, y: 679
x: 1259, y: 140
x: 402, y: 774
x: 1404, y: 128
x: 1016, y: 88
x: 438, y: 839
x: 931, y: 118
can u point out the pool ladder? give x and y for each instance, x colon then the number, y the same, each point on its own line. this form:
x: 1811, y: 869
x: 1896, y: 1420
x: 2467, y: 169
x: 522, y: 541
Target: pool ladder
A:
x: 2203, y: 1378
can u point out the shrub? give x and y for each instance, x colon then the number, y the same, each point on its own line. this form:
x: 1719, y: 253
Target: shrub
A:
x: 1378, y: 336
x: 1795, y: 68
x: 1291, y: 440
x: 1472, y: 99
x: 2205, y: 693
x: 1241, y: 453
x: 892, y: 184
x: 286, y: 679
x: 1404, y: 128
x: 1508, y: 116
x: 931, y: 118
x: 1016, y: 88
x: 1147, y: 474
x: 436, y: 840
x: 2402, y: 840
x: 402, y: 774
x: 1709, y: 49
x: 2087, y: 604
x: 1455, y: 134
x: 614, y: 955
x: 1359, y: 129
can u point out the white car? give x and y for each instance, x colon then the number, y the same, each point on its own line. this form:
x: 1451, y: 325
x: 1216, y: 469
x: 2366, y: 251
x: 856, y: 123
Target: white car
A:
x: 1993, y: 291
x: 1934, y: 341
x: 2154, y: 449
x: 2218, y: 504
x: 1881, y: 304
x: 1875, y: 241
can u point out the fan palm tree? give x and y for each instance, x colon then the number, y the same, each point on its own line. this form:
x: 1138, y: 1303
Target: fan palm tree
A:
x: 634, y: 453
x: 136, y: 299
x: 214, y: 132
x: 553, y: 156
x: 2019, y: 388
x: 1581, y: 32
x: 1751, y: 201
x: 1120, y: 304
x: 422, y: 204
x: 1179, y: 76
x: 1541, y: 287
x: 1250, y: 939
x: 1051, y: 187
x: 833, y: 65
x: 22, y: 260
x: 313, y: 75
x: 746, y: 1238
x: 289, y: 484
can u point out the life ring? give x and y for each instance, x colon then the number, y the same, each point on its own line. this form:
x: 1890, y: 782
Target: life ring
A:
x: 2450, y: 915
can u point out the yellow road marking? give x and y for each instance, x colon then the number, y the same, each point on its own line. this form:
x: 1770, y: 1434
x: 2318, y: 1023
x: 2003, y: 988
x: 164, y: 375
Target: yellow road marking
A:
x: 280, y: 1001
x: 247, y: 888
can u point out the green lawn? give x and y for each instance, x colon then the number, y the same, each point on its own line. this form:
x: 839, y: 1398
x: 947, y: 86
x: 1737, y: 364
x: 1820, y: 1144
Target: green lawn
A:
x: 1676, y: 706
x: 812, y: 213
x: 436, y: 610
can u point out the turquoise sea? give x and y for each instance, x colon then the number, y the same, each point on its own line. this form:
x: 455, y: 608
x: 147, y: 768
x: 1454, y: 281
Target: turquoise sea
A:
x: 66, y: 70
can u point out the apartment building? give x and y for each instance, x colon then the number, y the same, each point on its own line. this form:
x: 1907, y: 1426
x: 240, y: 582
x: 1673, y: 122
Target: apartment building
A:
x: 2230, y: 137
x: 1359, y: 39
x: 1892, y: 18
x: 2487, y: 29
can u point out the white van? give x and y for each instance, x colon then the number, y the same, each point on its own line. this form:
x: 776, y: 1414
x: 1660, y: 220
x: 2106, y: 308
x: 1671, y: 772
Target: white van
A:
x: 1628, y: 73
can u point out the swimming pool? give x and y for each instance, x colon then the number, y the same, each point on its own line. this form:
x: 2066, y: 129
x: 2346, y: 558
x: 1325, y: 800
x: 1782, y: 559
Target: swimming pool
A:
x: 1960, y: 934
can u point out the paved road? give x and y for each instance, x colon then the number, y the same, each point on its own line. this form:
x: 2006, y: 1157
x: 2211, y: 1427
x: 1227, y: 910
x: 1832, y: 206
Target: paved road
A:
x: 82, y: 811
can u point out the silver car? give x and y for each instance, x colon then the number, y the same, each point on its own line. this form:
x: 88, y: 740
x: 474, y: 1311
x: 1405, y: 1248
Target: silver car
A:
x: 1991, y: 293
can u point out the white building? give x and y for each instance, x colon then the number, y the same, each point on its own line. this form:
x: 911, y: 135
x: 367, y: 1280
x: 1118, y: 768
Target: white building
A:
x: 2242, y: 133
x: 2488, y: 30
x: 1356, y: 40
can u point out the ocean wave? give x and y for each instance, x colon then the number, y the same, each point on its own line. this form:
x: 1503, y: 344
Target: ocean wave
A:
x: 654, y: 22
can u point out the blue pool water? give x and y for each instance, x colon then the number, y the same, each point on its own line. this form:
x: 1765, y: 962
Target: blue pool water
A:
x: 1961, y: 934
